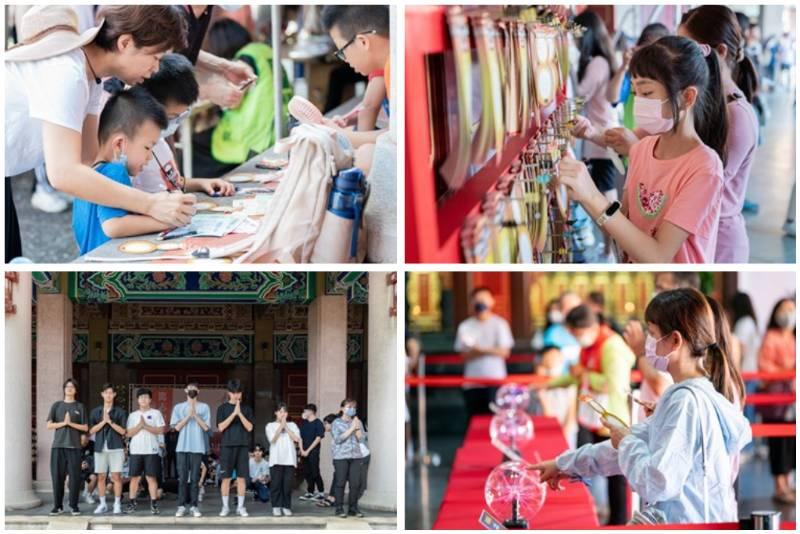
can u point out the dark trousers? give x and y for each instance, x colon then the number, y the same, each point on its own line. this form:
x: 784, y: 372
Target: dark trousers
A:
x: 65, y: 462
x: 188, y: 477
x: 313, y: 478
x: 13, y: 238
x: 617, y: 487
x: 261, y: 491
x: 347, y: 472
x: 280, y: 487
x: 782, y: 459
x: 478, y: 399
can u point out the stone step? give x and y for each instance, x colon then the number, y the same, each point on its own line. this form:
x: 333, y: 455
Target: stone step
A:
x: 87, y: 522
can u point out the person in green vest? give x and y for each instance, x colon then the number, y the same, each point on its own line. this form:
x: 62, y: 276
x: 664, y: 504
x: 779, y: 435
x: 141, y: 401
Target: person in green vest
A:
x: 248, y: 129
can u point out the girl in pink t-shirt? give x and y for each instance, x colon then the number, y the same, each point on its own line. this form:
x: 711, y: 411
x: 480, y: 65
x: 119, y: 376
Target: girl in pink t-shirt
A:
x: 671, y: 203
x: 717, y: 26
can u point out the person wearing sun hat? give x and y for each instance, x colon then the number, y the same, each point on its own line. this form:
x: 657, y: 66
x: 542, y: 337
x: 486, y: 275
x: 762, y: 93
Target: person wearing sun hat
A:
x: 53, y: 98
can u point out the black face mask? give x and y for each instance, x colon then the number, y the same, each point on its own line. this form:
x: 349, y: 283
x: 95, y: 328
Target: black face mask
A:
x: 192, y: 393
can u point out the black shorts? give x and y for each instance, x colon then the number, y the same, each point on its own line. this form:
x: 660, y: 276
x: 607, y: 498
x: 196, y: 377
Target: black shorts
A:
x: 147, y: 464
x: 237, y: 458
x: 604, y: 174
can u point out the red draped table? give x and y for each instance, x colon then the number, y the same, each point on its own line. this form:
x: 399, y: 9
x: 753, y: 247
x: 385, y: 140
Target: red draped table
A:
x: 463, y: 498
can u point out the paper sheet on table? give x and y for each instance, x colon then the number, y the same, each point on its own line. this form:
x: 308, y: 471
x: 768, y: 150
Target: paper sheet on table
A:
x: 214, y: 225
x: 257, y: 205
x: 247, y: 226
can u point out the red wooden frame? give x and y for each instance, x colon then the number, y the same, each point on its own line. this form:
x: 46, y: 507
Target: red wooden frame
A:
x: 432, y: 228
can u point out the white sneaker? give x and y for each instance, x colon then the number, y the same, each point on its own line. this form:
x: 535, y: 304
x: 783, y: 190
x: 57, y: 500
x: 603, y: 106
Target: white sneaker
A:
x: 101, y: 509
x: 117, y: 508
x: 286, y: 511
x: 276, y: 512
x: 195, y: 512
x: 48, y: 202
x: 89, y: 499
x: 242, y: 511
x: 225, y: 511
x: 789, y: 228
x: 180, y: 512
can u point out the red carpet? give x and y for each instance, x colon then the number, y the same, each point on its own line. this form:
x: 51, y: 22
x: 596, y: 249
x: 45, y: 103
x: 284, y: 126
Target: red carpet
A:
x: 463, y: 498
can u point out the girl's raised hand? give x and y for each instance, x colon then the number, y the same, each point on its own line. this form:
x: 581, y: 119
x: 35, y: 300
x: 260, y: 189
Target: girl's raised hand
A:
x: 583, y: 128
x: 620, y: 140
x: 574, y: 174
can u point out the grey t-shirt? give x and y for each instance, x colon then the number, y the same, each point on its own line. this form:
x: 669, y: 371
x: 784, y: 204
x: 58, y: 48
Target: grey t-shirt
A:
x: 67, y: 437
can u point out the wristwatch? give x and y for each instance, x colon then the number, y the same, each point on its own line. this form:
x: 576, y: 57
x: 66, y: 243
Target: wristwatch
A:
x: 608, y: 213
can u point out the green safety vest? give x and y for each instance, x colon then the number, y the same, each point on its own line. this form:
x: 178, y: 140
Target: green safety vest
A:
x: 251, y: 126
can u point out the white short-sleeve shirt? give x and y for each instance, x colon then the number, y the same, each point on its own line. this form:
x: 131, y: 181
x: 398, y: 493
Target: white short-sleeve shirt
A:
x: 54, y: 90
x: 144, y: 442
x: 283, y: 451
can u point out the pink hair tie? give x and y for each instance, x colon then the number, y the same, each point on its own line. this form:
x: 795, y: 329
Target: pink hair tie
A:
x: 705, y: 49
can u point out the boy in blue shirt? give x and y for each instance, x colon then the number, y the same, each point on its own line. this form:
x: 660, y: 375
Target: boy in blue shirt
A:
x: 192, y: 420
x: 129, y: 126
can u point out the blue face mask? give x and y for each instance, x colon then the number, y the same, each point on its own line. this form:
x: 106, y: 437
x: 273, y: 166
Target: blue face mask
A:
x: 350, y: 412
x: 174, y: 124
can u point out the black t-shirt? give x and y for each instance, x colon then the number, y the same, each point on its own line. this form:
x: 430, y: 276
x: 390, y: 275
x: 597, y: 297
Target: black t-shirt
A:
x: 120, y: 418
x: 235, y: 435
x: 309, y: 432
x: 67, y: 437
x: 196, y: 31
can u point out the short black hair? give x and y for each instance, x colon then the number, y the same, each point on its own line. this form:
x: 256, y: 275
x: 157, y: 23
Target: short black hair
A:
x: 480, y: 289
x: 581, y: 317
x: 195, y: 384
x: 330, y: 418
x: 259, y: 447
x: 597, y: 297
x: 127, y: 110
x: 234, y: 385
x: 70, y: 381
x: 312, y: 407
x: 144, y: 391
x: 226, y: 37
x: 281, y: 406
x: 107, y: 385
x: 355, y: 19
x: 174, y: 81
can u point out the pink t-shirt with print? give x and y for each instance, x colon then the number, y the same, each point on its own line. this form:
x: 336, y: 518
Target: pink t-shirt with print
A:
x: 685, y: 191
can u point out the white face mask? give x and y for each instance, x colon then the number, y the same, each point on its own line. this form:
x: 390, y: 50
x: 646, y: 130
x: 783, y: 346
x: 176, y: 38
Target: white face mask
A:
x: 585, y: 341
x: 555, y: 317
x: 647, y: 112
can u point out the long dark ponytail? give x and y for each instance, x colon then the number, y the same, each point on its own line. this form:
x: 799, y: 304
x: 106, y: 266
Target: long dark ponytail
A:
x: 595, y: 41
x: 716, y: 25
x: 678, y: 63
x: 719, y: 360
x: 688, y: 312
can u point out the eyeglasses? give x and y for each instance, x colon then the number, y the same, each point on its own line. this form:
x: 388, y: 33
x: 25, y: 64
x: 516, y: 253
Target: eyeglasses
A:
x: 339, y: 52
x: 597, y: 407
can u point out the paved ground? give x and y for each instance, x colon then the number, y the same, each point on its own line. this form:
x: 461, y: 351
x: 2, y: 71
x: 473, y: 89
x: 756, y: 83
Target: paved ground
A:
x: 306, y: 516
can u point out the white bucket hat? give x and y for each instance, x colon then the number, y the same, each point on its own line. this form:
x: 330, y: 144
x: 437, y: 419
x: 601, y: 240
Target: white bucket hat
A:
x: 49, y: 31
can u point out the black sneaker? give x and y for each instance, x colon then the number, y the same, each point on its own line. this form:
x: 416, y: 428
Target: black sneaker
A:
x: 75, y: 510
x: 131, y: 508
x: 154, y: 508
x: 356, y: 512
x: 340, y: 512
x: 57, y: 510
